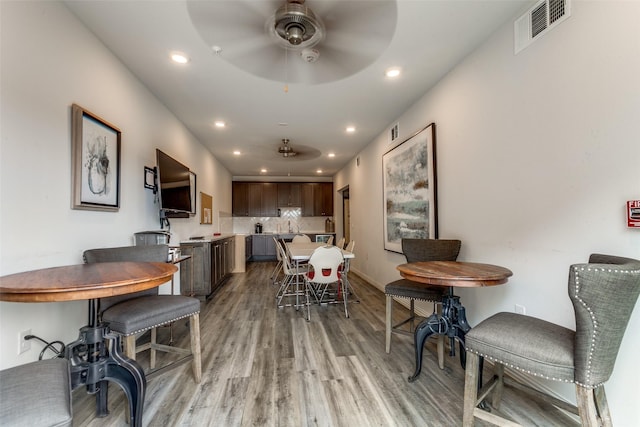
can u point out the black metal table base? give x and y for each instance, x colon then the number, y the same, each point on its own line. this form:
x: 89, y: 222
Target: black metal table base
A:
x: 451, y: 323
x: 95, y: 359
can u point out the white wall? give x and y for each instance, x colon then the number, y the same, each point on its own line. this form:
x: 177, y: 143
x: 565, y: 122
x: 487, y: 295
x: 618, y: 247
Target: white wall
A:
x: 536, y: 154
x: 50, y: 61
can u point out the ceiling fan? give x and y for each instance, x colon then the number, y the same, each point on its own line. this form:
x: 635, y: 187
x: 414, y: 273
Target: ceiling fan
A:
x: 296, y: 41
x: 300, y: 153
x: 285, y: 149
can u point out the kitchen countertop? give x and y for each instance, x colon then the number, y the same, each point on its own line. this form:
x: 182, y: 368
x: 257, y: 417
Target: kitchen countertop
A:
x: 209, y: 238
x: 293, y: 233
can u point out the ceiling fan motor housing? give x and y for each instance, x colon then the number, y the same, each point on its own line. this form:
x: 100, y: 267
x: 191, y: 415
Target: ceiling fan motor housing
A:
x: 295, y: 26
x: 286, y: 149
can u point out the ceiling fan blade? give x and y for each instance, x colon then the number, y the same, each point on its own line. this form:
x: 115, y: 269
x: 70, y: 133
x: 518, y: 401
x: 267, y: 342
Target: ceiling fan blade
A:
x: 357, y: 33
x: 229, y: 23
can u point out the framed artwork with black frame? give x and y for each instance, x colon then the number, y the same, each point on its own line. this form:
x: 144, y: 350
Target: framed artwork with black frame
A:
x: 410, y: 190
x: 95, y: 162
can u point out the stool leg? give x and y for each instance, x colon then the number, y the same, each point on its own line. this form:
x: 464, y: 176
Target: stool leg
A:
x: 194, y: 331
x: 602, y: 406
x: 130, y: 346
x: 440, y: 347
x: 497, y: 391
x: 388, y: 323
x: 152, y: 350
x: 470, y: 389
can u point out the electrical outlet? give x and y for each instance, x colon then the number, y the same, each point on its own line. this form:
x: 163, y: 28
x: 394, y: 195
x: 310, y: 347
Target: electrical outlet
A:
x: 520, y: 309
x: 24, y: 345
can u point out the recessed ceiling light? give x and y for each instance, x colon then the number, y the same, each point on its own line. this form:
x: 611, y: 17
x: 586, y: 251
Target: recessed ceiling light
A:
x: 263, y: 171
x: 332, y: 154
x: 319, y: 171
x: 392, y: 72
x: 220, y: 124
x: 179, y: 58
x: 237, y: 152
x: 351, y: 129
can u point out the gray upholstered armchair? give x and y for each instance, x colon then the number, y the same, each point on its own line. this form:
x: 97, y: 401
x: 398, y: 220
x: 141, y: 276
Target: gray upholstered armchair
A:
x: 603, y: 293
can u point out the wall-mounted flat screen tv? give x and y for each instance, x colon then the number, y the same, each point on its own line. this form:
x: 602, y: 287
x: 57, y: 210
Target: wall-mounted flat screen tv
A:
x: 174, y: 184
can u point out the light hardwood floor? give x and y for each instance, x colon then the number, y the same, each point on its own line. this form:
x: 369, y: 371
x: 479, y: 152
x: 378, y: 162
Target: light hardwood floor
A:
x: 263, y: 366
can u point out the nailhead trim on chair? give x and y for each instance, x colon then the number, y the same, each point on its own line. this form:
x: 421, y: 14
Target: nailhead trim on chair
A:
x: 535, y: 374
x: 595, y: 321
x: 159, y: 324
x: 414, y: 298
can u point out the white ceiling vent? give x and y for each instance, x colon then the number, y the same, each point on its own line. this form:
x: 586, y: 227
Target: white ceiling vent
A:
x: 542, y: 17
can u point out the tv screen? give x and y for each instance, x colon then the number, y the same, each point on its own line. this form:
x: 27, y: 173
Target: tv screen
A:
x: 174, y: 183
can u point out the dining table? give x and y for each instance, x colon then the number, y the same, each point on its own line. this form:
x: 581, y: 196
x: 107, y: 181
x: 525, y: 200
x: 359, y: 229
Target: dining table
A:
x: 95, y: 357
x: 300, y: 252
x: 452, y: 321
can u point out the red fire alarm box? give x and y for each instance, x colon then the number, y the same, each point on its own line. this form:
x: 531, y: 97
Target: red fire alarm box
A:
x: 633, y: 213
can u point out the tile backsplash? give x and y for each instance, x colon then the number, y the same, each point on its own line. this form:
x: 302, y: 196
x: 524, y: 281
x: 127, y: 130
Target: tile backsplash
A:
x: 290, y: 219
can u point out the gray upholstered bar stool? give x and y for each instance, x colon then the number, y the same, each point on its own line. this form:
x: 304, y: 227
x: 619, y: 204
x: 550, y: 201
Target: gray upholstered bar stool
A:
x: 36, y: 394
x: 132, y: 314
x: 603, y: 293
x: 416, y: 250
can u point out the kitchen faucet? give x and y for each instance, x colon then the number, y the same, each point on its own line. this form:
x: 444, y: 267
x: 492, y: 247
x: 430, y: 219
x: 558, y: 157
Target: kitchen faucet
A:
x: 289, y: 225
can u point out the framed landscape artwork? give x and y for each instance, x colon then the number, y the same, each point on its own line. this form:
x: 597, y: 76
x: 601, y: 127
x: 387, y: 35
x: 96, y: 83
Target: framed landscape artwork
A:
x: 409, y: 190
x: 95, y: 162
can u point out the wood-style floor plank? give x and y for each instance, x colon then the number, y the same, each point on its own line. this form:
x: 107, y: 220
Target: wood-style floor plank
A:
x: 269, y: 366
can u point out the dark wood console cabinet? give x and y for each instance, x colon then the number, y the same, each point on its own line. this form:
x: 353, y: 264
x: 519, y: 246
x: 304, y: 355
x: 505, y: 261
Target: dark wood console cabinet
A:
x: 213, y: 261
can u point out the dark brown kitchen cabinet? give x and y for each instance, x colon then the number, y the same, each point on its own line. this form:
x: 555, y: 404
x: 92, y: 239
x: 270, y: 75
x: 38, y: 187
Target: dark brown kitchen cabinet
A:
x: 308, y: 190
x: 269, y: 199
x: 263, y: 199
x: 323, y: 200
x: 289, y: 195
x: 240, y: 199
x: 317, y: 199
x: 255, y: 199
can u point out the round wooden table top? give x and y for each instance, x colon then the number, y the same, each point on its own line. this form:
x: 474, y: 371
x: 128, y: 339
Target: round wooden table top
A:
x: 455, y: 273
x: 84, y: 281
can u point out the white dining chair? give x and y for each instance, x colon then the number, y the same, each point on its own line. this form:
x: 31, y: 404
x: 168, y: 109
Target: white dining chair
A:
x: 340, y: 243
x: 330, y: 241
x: 325, y: 264
x: 290, y: 294
x: 278, y: 268
x: 301, y: 238
x: 350, y: 246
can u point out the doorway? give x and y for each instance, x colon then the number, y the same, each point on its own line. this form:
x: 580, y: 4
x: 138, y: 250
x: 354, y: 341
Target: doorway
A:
x: 346, y: 214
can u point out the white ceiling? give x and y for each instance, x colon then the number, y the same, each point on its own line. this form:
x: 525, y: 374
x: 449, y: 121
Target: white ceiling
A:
x: 431, y: 36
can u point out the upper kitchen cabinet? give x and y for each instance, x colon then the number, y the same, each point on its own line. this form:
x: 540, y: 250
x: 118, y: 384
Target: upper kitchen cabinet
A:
x: 240, y: 198
x: 317, y: 199
x: 269, y: 202
x: 289, y: 195
x: 254, y: 199
x: 262, y: 199
x: 324, y: 201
